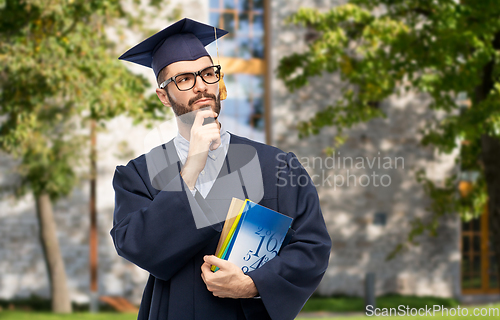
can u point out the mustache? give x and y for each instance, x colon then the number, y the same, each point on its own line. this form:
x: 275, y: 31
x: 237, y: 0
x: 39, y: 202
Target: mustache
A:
x: 200, y: 96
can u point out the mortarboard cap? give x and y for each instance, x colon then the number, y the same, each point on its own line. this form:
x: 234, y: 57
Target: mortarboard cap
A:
x: 184, y: 40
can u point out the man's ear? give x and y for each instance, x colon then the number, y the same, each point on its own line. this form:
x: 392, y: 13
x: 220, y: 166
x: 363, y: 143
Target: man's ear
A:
x: 162, y: 95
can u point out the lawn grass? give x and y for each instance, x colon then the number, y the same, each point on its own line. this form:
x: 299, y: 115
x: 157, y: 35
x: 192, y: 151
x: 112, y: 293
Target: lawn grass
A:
x: 27, y: 315
x: 30, y: 315
x: 33, y: 315
x: 391, y: 302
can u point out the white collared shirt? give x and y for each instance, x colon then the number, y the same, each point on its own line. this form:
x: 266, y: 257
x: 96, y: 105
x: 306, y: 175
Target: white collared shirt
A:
x: 215, y: 160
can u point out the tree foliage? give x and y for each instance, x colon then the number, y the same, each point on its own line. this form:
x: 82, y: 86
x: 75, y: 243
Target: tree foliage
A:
x: 385, y: 47
x: 57, y: 71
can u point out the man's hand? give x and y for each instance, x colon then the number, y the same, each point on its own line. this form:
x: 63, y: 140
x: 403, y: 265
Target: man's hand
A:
x: 227, y: 282
x: 202, y: 138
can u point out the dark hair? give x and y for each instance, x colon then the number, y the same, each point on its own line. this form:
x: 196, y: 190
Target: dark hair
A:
x: 162, y: 75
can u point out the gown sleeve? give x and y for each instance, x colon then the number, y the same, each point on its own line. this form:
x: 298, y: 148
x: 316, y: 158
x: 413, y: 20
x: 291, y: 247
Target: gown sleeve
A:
x: 158, y: 232
x: 288, y: 280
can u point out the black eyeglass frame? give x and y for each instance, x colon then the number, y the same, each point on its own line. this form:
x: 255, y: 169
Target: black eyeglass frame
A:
x: 164, y: 84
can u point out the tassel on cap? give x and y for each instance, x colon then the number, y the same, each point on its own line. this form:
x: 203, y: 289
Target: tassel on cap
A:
x: 222, y: 87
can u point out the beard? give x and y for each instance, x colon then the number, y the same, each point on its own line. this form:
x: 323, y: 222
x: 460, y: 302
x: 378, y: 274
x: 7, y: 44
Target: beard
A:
x: 186, y: 113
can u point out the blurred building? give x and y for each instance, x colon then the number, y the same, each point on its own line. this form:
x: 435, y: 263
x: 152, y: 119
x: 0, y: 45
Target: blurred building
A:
x: 368, y: 190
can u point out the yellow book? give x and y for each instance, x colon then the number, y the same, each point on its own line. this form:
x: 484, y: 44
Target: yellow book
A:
x: 232, y: 219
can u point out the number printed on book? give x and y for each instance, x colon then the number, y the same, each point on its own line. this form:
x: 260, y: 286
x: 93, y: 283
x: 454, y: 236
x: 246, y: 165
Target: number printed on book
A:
x: 265, y: 250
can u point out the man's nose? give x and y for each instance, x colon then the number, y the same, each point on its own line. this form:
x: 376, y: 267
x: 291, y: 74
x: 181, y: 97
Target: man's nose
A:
x: 200, y: 85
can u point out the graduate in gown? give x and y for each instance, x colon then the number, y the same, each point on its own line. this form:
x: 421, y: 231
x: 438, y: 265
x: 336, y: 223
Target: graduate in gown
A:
x: 170, y: 203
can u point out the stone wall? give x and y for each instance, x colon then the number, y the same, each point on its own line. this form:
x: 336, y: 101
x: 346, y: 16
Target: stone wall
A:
x: 361, y: 244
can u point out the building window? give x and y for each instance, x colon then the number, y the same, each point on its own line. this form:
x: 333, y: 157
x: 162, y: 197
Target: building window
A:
x: 241, y: 54
x: 479, y: 265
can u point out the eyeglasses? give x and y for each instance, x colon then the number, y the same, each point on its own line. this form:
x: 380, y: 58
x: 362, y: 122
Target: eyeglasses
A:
x: 186, y: 81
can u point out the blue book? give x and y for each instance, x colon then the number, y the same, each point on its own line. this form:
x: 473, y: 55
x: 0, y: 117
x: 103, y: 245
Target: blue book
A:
x: 258, y: 237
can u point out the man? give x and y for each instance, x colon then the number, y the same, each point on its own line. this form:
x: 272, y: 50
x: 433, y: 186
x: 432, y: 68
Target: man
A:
x: 171, y: 202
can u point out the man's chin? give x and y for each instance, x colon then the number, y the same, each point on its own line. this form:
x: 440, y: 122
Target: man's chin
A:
x: 188, y: 118
x: 202, y: 106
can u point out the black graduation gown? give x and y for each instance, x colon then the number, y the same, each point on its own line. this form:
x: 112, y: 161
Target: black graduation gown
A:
x: 154, y: 228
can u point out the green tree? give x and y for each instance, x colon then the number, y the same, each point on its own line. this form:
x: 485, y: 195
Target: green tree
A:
x: 443, y: 48
x: 57, y: 77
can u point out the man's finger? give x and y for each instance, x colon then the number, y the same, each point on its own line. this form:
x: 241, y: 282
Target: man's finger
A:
x: 201, y: 115
x: 205, y: 268
x: 216, y: 143
x: 218, y: 262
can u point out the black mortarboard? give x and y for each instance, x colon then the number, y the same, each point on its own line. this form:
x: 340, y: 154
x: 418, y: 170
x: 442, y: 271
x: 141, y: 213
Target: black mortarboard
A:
x: 184, y: 40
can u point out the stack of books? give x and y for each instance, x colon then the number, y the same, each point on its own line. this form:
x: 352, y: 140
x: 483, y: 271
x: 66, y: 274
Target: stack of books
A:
x: 252, y: 235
